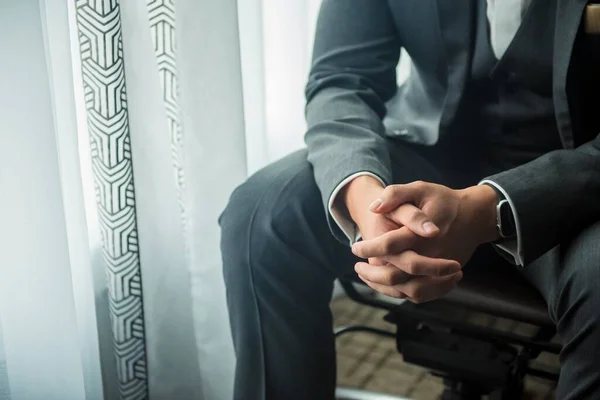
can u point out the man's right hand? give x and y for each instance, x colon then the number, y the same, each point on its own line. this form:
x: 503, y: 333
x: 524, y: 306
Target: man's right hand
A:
x: 417, y: 277
x: 357, y: 196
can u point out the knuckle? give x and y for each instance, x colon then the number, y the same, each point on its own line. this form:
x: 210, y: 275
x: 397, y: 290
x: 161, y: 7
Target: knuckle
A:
x: 414, y: 215
x: 387, y: 245
x: 418, y: 184
x: 416, y: 297
x: 417, y: 294
x: 410, y: 291
x: 388, y: 279
x: 397, y: 278
x: 391, y: 191
x: 411, y: 267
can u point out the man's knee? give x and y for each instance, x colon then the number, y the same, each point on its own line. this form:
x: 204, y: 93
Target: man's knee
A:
x: 268, y: 209
x: 235, y: 218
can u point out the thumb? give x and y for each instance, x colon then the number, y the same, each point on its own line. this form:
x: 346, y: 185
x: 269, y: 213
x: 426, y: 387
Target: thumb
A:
x: 395, y: 195
x: 414, y: 219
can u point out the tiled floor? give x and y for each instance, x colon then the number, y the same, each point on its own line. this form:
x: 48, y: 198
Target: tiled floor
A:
x: 370, y: 362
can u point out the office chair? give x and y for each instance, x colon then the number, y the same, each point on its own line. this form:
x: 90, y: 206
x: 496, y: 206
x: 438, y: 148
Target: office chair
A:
x: 474, y: 361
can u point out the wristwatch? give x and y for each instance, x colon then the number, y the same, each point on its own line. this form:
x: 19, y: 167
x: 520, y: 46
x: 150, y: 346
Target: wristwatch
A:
x: 505, y: 220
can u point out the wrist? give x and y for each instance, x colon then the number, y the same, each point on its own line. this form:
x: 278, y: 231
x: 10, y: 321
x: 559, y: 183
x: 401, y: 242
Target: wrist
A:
x: 481, y: 201
x: 358, y: 194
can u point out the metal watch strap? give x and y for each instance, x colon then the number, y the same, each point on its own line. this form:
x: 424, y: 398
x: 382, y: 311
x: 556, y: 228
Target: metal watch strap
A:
x: 505, y: 228
x: 499, y: 224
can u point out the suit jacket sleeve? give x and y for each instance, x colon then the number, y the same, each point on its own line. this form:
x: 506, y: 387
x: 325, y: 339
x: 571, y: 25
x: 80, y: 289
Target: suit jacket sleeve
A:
x: 353, y: 74
x: 555, y: 196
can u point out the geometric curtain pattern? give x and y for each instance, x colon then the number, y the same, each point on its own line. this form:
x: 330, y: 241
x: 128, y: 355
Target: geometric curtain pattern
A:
x: 101, y: 48
x: 161, y: 15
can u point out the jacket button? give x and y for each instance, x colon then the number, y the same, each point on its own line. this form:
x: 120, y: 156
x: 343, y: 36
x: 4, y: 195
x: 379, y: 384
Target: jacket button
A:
x: 401, y: 132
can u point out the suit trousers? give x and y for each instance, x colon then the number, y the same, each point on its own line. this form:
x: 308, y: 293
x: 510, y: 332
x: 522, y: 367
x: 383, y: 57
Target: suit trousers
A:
x: 280, y: 260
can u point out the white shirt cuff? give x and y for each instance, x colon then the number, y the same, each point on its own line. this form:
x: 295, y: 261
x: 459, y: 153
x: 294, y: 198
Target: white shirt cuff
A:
x: 511, y: 246
x: 340, y: 215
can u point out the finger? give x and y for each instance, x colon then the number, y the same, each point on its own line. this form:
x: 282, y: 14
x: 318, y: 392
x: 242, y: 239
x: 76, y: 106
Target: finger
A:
x: 377, y: 261
x: 395, y: 195
x: 416, y: 264
x: 393, y: 242
x: 387, y: 275
x: 418, y: 289
x: 414, y: 219
x: 390, y: 291
x: 428, y: 288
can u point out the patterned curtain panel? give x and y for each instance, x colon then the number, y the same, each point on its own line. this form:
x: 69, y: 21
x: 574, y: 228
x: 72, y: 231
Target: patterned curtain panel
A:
x: 101, y: 48
x: 162, y: 28
x: 126, y: 248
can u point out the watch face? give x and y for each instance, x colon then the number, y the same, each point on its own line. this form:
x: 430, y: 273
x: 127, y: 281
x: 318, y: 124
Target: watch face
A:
x: 507, y: 220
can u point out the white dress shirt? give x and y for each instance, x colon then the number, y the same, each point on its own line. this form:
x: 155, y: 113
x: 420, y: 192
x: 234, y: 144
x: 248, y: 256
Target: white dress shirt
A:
x: 504, y: 19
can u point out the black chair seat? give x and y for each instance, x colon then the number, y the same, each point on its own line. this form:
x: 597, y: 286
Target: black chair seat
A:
x: 473, y: 360
x: 501, y: 291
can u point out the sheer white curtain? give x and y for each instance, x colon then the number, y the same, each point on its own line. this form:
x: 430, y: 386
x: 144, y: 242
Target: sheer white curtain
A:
x: 276, y: 40
x: 124, y: 127
x: 120, y: 143
x: 276, y: 44
x: 38, y: 309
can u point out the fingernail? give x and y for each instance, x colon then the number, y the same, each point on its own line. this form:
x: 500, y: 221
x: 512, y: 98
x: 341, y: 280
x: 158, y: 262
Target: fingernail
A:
x: 357, y: 268
x: 429, y: 227
x: 375, y: 205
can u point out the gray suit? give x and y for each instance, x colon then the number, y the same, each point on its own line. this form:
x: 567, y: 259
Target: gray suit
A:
x: 280, y: 252
x: 354, y: 75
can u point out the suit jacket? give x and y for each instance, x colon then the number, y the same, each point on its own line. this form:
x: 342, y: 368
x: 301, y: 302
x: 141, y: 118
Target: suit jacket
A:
x: 357, y: 48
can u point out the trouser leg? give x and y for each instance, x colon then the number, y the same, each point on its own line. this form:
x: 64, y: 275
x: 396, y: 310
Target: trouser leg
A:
x: 280, y: 260
x: 569, y: 278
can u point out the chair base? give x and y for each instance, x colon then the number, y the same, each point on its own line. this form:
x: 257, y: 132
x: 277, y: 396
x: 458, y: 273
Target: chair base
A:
x: 474, y: 361
x: 471, y: 367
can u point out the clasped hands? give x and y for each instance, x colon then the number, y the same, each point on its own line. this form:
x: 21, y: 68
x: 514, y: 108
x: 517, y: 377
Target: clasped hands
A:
x: 418, y: 236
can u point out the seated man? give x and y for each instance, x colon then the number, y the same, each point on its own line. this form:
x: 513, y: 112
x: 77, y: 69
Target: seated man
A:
x: 499, y: 113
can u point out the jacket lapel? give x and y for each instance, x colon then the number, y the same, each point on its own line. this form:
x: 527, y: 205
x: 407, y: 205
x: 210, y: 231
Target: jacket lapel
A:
x: 456, y: 20
x: 568, y: 19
